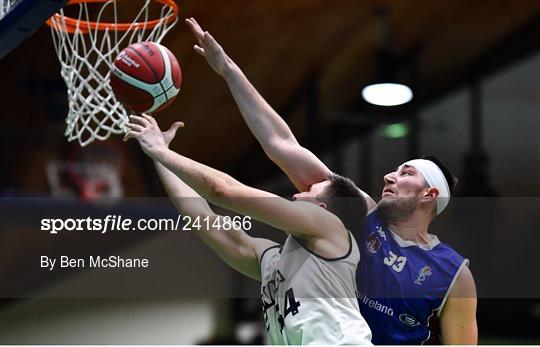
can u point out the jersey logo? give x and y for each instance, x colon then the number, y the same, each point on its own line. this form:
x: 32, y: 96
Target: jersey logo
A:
x: 381, y: 233
x: 270, y: 289
x: 408, y: 320
x: 373, y: 244
x: 422, y: 274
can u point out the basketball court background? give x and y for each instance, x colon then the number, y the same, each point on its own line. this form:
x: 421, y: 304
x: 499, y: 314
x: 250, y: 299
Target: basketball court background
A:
x: 475, y: 71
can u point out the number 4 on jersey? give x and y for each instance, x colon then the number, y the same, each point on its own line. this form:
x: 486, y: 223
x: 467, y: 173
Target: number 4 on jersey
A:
x: 291, y: 306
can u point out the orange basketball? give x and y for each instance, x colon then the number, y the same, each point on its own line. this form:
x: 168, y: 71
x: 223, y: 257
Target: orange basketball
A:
x: 146, y: 77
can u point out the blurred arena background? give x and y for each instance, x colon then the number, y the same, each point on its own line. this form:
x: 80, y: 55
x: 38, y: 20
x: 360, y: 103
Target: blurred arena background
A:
x: 474, y: 67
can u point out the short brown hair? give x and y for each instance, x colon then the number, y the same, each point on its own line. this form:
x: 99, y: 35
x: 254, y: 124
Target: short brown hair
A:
x: 346, y: 201
x: 448, y: 175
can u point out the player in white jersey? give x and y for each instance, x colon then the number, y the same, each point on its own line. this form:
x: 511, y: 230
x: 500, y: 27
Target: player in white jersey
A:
x: 309, y: 287
x: 308, y: 299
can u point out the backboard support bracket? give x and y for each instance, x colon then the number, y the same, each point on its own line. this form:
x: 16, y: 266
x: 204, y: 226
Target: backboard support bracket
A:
x: 23, y: 19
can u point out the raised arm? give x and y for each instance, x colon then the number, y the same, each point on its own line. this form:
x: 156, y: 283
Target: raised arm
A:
x: 276, y: 138
x: 235, y: 247
x: 299, y: 218
x: 458, y: 318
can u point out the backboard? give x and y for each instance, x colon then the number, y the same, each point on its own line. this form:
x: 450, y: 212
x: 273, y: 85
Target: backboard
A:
x: 21, y: 18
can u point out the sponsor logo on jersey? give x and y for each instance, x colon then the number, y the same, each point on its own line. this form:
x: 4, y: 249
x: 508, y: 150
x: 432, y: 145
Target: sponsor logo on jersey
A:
x: 381, y: 233
x: 273, y: 284
x: 374, y: 304
x: 408, y: 320
x: 422, y: 274
x: 373, y: 244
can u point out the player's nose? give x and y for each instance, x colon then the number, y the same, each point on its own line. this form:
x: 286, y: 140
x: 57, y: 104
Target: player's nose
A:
x: 389, y: 178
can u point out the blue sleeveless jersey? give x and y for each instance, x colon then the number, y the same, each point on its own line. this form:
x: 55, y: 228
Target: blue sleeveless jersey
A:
x: 403, y: 286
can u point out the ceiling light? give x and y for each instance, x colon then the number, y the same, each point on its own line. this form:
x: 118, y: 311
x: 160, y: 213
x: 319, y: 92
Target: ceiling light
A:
x: 387, y: 94
x: 388, y: 87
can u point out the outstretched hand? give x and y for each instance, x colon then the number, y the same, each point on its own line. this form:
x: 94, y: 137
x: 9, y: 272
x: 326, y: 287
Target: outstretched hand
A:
x: 208, y: 47
x: 171, y: 133
x: 145, y: 130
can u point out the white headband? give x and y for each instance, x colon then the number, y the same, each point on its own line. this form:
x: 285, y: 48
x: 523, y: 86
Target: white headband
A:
x: 435, y: 179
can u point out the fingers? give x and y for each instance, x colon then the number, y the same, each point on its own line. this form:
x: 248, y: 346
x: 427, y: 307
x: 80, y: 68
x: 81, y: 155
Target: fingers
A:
x: 131, y: 134
x: 209, y: 38
x: 134, y: 127
x: 174, y: 127
x: 139, y: 120
x: 195, y: 21
x: 195, y: 28
x: 204, y: 38
x: 151, y: 119
x: 177, y: 125
x: 137, y: 124
x: 199, y: 50
x: 194, y: 24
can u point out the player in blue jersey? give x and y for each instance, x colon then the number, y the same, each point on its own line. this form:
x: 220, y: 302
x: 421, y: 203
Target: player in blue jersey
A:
x: 412, y: 289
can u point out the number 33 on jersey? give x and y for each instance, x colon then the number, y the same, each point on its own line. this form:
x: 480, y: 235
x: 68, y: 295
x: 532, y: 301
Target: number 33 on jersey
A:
x: 395, y: 262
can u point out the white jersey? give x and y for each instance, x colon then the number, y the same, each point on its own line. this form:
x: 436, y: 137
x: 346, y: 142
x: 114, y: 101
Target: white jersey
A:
x: 308, y: 299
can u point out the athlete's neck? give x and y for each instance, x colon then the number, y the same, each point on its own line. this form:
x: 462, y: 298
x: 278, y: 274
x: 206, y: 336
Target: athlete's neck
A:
x: 414, y: 229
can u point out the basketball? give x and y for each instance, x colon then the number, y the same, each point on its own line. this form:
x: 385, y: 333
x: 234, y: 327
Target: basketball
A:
x: 146, y: 77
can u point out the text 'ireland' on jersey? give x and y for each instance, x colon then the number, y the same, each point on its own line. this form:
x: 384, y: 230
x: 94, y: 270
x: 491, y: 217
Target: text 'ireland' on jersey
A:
x: 402, y: 285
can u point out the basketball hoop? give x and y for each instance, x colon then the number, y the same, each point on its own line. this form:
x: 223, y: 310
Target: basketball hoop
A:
x: 86, y: 45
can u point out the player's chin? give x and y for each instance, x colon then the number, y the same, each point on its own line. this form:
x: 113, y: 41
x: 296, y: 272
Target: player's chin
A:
x: 388, y: 198
x: 395, y: 202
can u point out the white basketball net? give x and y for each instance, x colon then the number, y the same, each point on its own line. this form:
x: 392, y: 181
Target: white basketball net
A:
x: 86, y: 56
x: 5, y: 6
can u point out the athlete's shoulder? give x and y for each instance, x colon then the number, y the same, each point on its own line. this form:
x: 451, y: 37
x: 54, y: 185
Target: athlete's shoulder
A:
x: 465, y: 286
x: 265, y: 248
x: 268, y: 255
x: 445, y: 252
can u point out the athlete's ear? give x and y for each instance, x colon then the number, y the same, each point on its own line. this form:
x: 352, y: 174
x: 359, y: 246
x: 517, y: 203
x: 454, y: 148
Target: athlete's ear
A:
x: 323, y: 205
x: 431, y: 194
